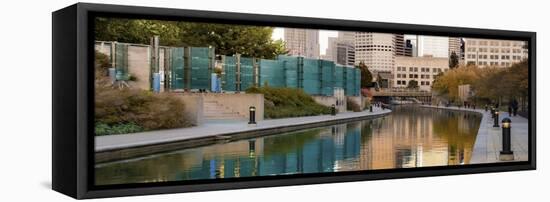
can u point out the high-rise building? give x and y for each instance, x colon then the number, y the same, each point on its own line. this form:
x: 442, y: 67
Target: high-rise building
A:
x: 421, y: 69
x: 433, y: 46
x: 497, y: 53
x: 402, y: 47
x: 331, y: 51
x: 455, y: 44
x: 302, y: 42
x: 347, y: 37
x: 340, y: 50
x: 345, y: 54
x: 376, y: 50
x: 411, y: 39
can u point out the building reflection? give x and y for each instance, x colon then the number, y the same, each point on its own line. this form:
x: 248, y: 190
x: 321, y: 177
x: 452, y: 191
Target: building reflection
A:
x: 429, y: 138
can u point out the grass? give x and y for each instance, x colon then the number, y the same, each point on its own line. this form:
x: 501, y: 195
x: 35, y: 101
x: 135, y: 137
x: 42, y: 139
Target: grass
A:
x: 288, y: 102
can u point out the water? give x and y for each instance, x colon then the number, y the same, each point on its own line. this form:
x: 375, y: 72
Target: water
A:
x: 408, y: 137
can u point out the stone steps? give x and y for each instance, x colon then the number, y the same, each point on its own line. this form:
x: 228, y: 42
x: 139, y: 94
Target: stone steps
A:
x: 215, y: 110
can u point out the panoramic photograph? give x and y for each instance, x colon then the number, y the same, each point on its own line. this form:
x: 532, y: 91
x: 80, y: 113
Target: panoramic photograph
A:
x: 181, y: 101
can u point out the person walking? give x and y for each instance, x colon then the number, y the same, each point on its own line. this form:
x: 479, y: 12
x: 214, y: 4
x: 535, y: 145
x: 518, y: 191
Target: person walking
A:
x: 515, y: 107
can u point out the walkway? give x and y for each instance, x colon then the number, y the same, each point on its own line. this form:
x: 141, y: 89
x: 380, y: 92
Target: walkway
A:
x: 219, y: 129
x: 489, y: 139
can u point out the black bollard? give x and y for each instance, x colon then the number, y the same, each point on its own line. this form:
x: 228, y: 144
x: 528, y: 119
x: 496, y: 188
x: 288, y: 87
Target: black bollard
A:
x: 251, y: 148
x: 495, y: 124
x: 370, y: 108
x: 251, y: 145
x: 506, y: 154
x: 486, y: 108
x: 333, y: 110
x: 252, y: 111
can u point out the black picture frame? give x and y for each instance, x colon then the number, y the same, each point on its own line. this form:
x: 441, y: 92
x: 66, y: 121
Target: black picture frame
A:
x: 72, y: 99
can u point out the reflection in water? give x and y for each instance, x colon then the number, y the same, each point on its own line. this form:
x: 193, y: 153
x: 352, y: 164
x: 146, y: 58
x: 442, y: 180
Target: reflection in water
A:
x: 409, y: 137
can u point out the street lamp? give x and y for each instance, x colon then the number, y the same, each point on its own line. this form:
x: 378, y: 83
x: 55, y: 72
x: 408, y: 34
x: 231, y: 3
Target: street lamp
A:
x: 252, y: 111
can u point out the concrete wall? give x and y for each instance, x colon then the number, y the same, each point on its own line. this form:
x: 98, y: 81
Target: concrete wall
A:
x: 358, y: 100
x: 329, y: 101
x: 193, y: 108
x: 139, y: 63
x: 239, y: 102
x: 139, y: 66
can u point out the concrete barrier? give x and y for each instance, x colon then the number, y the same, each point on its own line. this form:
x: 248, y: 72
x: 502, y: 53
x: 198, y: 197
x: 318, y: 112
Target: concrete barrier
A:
x: 358, y: 100
x: 193, y: 108
x: 329, y: 101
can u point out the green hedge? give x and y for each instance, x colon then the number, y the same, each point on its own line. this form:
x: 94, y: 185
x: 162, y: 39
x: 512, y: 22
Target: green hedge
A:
x: 288, y: 102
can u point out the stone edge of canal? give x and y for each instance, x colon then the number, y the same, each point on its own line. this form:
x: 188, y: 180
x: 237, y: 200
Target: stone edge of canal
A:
x: 139, y: 151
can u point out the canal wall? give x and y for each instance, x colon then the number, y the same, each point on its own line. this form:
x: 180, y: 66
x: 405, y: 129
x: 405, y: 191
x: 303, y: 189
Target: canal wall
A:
x: 119, y: 147
x: 488, y: 143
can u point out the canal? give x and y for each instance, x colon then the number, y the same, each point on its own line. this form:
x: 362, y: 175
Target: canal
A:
x: 410, y: 136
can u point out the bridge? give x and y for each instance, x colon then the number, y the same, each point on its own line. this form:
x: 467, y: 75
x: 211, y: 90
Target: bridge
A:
x: 385, y: 95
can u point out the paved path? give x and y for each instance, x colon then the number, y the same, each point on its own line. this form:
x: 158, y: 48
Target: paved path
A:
x: 489, y: 139
x: 216, y: 128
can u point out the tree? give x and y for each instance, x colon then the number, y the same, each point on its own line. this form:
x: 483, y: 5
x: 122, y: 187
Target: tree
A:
x: 453, y: 60
x: 250, y: 41
x: 446, y: 84
x: 137, y: 31
x: 413, y: 84
x: 366, y: 75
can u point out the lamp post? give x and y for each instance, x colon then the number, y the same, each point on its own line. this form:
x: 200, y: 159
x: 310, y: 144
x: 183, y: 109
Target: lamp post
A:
x: 492, y: 112
x: 506, y: 154
x: 495, y: 124
x: 252, y: 111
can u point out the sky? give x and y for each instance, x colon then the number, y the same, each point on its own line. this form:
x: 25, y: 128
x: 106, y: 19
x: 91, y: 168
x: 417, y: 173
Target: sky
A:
x: 278, y: 33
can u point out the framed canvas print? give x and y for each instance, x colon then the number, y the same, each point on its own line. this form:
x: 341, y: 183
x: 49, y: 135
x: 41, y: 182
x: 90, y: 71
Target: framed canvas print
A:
x: 158, y: 100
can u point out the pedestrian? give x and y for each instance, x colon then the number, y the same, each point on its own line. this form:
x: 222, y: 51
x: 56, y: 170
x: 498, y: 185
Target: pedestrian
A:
x: 510, y: 109
x: 515, y: 106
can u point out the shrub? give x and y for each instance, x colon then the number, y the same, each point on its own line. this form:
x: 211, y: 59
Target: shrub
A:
x: 352, y: 106
x: 288, y: 102
x: 104, y: 129
x: 101, y: 69
x: 147, y: 110
x: 132, y: 110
